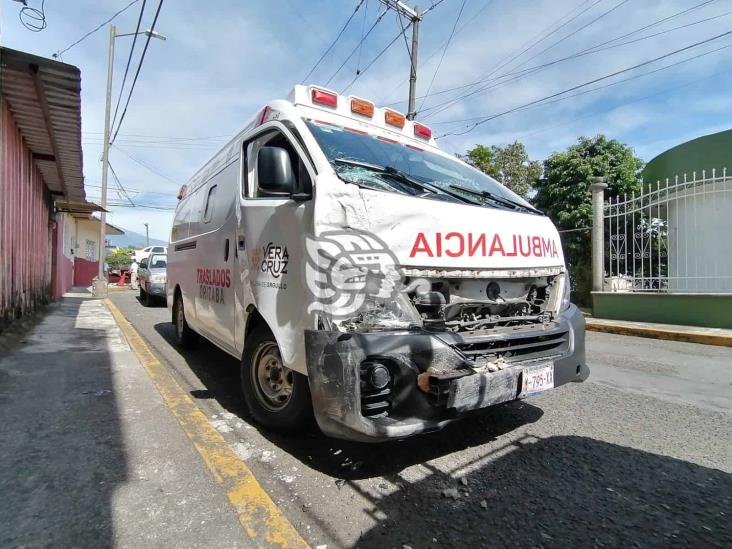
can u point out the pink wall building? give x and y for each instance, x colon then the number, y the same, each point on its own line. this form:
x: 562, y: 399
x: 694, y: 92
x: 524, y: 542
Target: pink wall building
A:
x: 40, y: 177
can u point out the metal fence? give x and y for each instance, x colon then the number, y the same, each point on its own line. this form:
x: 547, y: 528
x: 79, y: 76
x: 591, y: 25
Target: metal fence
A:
x: 672, y: 236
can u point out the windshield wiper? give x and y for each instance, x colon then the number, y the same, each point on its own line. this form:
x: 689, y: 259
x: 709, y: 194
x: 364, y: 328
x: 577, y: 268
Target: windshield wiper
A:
x: 499, y: 199
x: 403, y: 176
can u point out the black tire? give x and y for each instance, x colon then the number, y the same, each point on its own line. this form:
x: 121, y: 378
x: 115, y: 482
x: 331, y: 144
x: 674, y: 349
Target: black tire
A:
x: 269, y: 406
x: 143, y: 297
x: 148, y: 300
x: 184, y: 335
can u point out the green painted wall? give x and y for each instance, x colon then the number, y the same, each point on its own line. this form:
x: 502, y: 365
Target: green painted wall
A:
x: 703, y: 153
x: 708, y: 310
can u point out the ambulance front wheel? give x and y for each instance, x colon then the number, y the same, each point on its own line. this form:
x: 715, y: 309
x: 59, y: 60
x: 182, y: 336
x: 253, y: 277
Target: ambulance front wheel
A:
x: 277, y: 397
x: 184, y: 336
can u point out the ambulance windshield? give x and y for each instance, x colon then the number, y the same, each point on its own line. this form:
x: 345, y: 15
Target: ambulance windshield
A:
x: 352, y: 153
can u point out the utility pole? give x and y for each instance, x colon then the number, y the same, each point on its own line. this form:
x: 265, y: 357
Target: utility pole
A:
x: 415, y: 17
x: 147, y: 235
x: 100, y: 288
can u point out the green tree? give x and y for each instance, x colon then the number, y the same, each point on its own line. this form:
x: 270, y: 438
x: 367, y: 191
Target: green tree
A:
x: 563, y: 193
x: 119, y: 258
x: 510, y: 165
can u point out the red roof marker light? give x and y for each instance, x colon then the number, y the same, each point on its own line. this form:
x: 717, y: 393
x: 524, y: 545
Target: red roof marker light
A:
x: 324, y: 97
x: 423, y: 131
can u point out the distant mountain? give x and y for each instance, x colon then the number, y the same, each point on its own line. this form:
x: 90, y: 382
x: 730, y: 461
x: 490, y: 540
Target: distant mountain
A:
x: 136, y: 240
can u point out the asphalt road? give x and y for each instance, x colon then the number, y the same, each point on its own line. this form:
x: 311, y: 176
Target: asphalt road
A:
x: 640, y: 455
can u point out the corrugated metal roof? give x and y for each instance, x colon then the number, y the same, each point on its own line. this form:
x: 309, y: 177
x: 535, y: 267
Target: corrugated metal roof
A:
x: 44, y: 97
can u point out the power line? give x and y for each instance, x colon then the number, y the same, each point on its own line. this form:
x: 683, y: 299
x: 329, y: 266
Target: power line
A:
x: 593, y: 81
x: 543, y: 35
x: 493, y: 83
x: 406, y: 42
x: 152, y: 146
x: 433, y: 6
x: 597, y: 48
x: 604, y: 86
x: 659, y: 21
x: 363, y: 27
x: 146, y: 165
x: 446, y: 105
x: 33, y: 19
x: 573, y: 33
x: 587, y: 51
x: 166, y: 137
x: 119, y: 184
x: 630, y: 102
x: 378, y: 20
x: 389, y: 45
x: 95, y: 29
x: 444, y: 51
x: 133, y: 191
x: 137, y: 72
x: 129, y: 60
x: 146, y: 206
x: 340, y: 33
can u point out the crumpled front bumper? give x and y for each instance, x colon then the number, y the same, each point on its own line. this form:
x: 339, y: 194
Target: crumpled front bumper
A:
x: 334, y: 362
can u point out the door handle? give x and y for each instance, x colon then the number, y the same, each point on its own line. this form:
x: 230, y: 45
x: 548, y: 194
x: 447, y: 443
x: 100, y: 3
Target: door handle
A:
x: 226, y: 250
x: 240, y: 243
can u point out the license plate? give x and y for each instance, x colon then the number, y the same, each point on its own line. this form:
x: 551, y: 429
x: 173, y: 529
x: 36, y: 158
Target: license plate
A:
x: 537, y: 379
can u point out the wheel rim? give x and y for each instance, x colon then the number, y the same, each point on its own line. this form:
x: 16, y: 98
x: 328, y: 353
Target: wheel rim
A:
x: 180, y: 320
x: 271, y: 379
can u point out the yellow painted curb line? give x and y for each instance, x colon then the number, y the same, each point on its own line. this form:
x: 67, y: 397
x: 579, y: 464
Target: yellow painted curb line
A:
x: 660, y: 333
x: 262, y: 520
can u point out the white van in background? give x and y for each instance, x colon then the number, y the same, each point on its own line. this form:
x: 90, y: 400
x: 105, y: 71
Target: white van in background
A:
x: 144, y: 253
x: 360, y: 273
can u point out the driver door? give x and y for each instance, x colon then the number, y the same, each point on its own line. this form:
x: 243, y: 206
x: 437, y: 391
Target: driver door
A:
x: 270, y: 239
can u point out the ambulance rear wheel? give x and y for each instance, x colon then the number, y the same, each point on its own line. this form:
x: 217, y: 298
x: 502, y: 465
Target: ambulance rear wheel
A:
x: 184, y: 336
x: 277, y: 397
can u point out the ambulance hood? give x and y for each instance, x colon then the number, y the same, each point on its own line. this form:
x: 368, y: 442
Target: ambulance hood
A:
x: 428, y: 233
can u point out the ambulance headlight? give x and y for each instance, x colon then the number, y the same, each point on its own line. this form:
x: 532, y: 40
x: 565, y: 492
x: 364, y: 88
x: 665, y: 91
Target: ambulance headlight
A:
x: 566, y: 293
x: 384, y: 314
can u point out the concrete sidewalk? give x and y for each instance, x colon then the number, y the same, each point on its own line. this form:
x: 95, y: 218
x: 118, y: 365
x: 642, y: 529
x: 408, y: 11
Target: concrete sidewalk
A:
x: 90, y: 456
x: 690, y: 334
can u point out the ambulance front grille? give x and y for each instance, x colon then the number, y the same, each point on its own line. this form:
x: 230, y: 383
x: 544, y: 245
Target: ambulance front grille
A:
x: 525, y: 347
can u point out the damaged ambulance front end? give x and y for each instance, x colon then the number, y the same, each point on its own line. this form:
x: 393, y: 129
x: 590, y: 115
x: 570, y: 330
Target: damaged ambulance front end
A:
x: 436, y: 291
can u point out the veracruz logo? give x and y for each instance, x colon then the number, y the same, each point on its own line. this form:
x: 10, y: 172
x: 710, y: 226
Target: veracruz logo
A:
x: 454, y: 244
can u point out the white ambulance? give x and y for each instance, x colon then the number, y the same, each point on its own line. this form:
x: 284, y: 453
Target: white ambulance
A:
x: 365, y: 276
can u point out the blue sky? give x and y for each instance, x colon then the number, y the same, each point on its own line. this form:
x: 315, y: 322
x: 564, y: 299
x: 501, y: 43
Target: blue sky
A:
x: 222, y: 61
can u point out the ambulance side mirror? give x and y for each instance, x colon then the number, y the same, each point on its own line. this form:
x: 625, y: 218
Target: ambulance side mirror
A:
x: 274, y: 172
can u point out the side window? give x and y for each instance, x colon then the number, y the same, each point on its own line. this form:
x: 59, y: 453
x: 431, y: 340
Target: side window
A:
x: 210, y: 201
x: 250, y: 152
x: 158, y: 249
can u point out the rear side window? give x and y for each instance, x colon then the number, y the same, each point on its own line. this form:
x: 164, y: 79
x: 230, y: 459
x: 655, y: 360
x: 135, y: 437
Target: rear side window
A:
x: 210, y: 201
x: 158, y: 249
